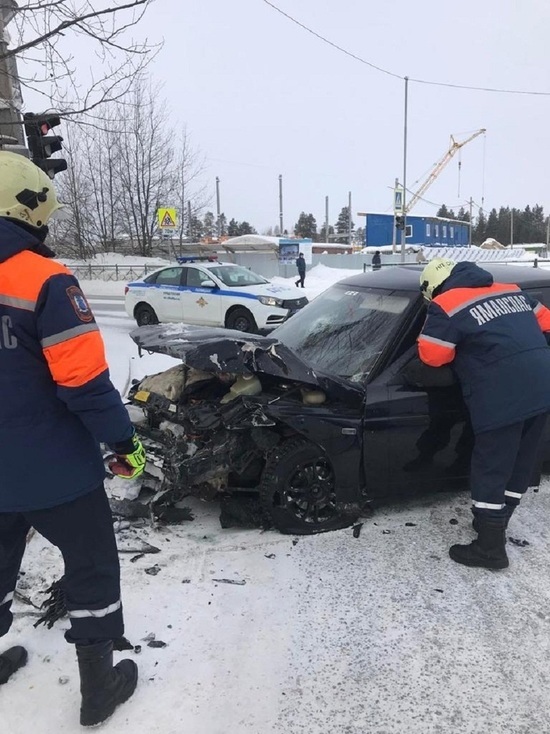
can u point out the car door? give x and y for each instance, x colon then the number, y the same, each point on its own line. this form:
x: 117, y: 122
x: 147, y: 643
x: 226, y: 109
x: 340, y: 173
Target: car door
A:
x: 201, y: 305
x: 166, y: 294
x: 416, y: 434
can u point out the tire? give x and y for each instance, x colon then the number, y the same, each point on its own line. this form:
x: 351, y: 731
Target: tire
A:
x: 298, y: 490
x: 145, y: 315
x: 241, y: 319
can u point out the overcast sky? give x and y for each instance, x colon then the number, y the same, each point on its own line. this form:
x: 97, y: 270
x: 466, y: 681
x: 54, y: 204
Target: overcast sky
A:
x: 261, y: 97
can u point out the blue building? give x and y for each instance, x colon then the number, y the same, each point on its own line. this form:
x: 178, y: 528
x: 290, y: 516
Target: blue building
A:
x: 426, y: 231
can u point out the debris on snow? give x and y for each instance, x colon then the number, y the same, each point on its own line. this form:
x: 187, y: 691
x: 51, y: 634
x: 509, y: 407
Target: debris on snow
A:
x: 157, y: 643
x: 153, y: 570
x: 357, y: 529
x: 453, y: 521
x: 521, y: 543
x: 236, y: 582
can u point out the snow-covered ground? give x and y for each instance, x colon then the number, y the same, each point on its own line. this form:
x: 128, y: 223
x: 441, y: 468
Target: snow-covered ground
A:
x: 333, y: 634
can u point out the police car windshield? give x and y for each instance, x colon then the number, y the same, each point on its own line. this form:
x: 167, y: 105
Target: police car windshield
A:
x: 235, y: 276
x: 344, y: 330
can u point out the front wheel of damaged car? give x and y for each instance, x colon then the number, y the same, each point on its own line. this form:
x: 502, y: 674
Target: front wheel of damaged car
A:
x: 298, y: 490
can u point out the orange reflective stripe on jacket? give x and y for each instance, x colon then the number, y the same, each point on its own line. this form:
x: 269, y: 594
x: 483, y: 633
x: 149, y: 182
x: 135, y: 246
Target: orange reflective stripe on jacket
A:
x: 456, y: 299
x: 77, y: 360
x: 543, y: 317
x: 435, y: 352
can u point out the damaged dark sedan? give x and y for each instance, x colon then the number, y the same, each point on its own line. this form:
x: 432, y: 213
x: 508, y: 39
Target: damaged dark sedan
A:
x: 327, y: 415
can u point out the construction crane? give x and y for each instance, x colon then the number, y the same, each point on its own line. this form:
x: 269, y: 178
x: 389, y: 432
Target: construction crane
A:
x: 440, y: 165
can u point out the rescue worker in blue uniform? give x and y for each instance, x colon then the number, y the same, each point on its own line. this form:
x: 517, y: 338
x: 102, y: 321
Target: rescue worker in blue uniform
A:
x: 57, y: 404
x: 493, y: 334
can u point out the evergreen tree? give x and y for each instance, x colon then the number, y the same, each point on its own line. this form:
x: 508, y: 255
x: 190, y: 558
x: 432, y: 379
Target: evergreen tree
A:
x: 480, y: 229
x: 463, y: 215
x: 233, y: 228
x: 306, y: 226
x: 209, y: 225
x: 342, y: 224
x: 445, y: 213
x: 491, y: 229
x: 196, y: 229
x: 322, y: 233
x: 246, y: 228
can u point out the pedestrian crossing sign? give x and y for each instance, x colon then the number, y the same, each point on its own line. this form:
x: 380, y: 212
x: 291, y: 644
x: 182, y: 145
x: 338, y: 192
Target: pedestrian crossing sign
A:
x: 167, y: 218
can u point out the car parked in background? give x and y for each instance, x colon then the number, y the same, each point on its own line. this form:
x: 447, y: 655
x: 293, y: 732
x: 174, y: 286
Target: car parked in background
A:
x: 331, y: 412
x: 205, y: 292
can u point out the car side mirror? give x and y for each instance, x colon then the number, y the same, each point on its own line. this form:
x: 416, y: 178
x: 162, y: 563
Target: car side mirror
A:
x: 418, y: 374
x: 208, y: 284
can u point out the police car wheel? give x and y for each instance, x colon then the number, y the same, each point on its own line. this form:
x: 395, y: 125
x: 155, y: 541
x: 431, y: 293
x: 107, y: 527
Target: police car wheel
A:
x: 145, y: 316
x: 241, y: 320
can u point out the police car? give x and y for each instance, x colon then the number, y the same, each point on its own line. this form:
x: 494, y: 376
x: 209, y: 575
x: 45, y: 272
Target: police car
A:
x: 206, y: 292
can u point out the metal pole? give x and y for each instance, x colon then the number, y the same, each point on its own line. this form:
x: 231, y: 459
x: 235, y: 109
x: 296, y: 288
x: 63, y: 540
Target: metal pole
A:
x: 394, y: 236
x: 326, y: 219
x: 349, y: 218
x: 405, y: 124
x: 189, y: 227
x: 512, y: 227
x: 10, y: 118
x: 218, y: 210
x: 471, y: 224
x: 547, y: 235
x: 281, y: 204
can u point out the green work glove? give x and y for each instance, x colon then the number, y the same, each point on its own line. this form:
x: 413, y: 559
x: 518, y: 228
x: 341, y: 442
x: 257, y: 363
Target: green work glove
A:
x: 129, y: 460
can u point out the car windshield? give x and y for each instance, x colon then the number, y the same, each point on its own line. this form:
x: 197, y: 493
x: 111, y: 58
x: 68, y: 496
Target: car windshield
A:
x: 343, y: 330
x: 235, y: 276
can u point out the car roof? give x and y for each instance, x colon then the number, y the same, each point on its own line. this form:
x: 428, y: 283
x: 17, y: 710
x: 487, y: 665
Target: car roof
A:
x: 406, y: 278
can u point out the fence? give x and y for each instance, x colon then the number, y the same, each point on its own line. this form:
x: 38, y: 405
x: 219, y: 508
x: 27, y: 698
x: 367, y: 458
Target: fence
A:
x: 112, y: 272
x: 265, y: 265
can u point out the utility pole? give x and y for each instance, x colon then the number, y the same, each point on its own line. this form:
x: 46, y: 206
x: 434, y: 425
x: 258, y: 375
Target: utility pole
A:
x: 218, y: 211
x: 11, y: 129
x: 189, y: 227
x: 512, y: 227
x: 281, y: 204
x: 394, y: 235
x: 405, y: 130
x: 326, y: 220
x: 547, y: 235
x: 471, y: 223
x: 349, y: 218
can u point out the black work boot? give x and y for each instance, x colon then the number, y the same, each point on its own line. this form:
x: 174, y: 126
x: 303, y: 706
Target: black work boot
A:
x: 489, y: 549
x: 10, y: 661
x: 509, y: 511
x: 103, y: 687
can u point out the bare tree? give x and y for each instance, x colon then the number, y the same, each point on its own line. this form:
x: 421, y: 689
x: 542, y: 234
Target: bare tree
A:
x: 53, y: 40
x: 122, y: 172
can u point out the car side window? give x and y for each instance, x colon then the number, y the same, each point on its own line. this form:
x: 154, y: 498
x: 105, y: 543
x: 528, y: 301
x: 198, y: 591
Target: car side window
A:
x: 196, y: 277
x: 170, y: 276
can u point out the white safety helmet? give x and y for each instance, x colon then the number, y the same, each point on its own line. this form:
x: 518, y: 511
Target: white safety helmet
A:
x: 27, y: 193
x: 434, y: 274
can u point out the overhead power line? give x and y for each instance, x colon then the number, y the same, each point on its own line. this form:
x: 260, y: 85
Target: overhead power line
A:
x: 431, y: 82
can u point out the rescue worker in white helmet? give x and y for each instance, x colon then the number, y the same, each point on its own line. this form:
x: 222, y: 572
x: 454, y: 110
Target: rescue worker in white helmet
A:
x: 57, y: 404
x: 493, y: 335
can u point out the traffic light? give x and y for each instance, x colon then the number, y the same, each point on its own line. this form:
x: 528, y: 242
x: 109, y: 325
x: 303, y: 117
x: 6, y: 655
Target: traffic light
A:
x: 42, y: 144
x: 399, y: 222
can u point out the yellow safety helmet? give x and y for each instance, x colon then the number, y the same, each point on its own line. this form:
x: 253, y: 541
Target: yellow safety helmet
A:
x: 27, y: 193
x: 433, y: 275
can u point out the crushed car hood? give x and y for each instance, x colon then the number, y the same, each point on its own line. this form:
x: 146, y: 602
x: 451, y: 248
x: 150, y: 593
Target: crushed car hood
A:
x: 236, y: 352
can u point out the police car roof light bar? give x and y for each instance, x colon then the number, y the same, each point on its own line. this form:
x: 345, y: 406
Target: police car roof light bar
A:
x: 195, y: 258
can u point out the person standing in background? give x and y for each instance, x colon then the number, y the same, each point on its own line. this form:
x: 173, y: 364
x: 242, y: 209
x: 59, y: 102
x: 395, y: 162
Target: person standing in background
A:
x: 301, y: 265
